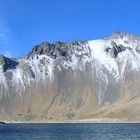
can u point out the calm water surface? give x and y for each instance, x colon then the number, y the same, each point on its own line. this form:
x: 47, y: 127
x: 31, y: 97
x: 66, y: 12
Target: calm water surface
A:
x: 70, y: 132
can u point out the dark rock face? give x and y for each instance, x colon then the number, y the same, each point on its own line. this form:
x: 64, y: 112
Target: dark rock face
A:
x: 52, y: 50
x: 7, y: 63
x: 44, y: 48
x: 138, y: 49
x: 117, y: 49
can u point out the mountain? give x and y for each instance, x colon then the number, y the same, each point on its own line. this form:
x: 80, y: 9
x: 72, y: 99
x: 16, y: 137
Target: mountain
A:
x: 96, y: 79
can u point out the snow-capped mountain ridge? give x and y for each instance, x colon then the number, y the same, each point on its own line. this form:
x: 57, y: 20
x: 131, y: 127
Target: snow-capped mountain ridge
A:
x: 105, y: 60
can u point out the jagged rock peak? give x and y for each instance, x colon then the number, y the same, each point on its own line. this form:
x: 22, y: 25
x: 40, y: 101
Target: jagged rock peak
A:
x: 55, y: 49
x: 121, y: 35
x: 48, y: 49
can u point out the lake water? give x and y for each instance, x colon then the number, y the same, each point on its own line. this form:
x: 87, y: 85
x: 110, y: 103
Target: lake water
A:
x: 70, y: 131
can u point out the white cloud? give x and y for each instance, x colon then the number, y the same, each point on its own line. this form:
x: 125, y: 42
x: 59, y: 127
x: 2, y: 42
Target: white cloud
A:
x: 8, y: 54
x: 6, y: 37
x: 5, y: 33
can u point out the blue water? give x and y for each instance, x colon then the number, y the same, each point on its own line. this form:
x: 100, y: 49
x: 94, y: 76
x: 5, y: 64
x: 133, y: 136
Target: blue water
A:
x: 70, y: 131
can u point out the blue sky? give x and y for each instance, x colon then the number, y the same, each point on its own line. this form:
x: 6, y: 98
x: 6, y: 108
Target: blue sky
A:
x: 25, y: 23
